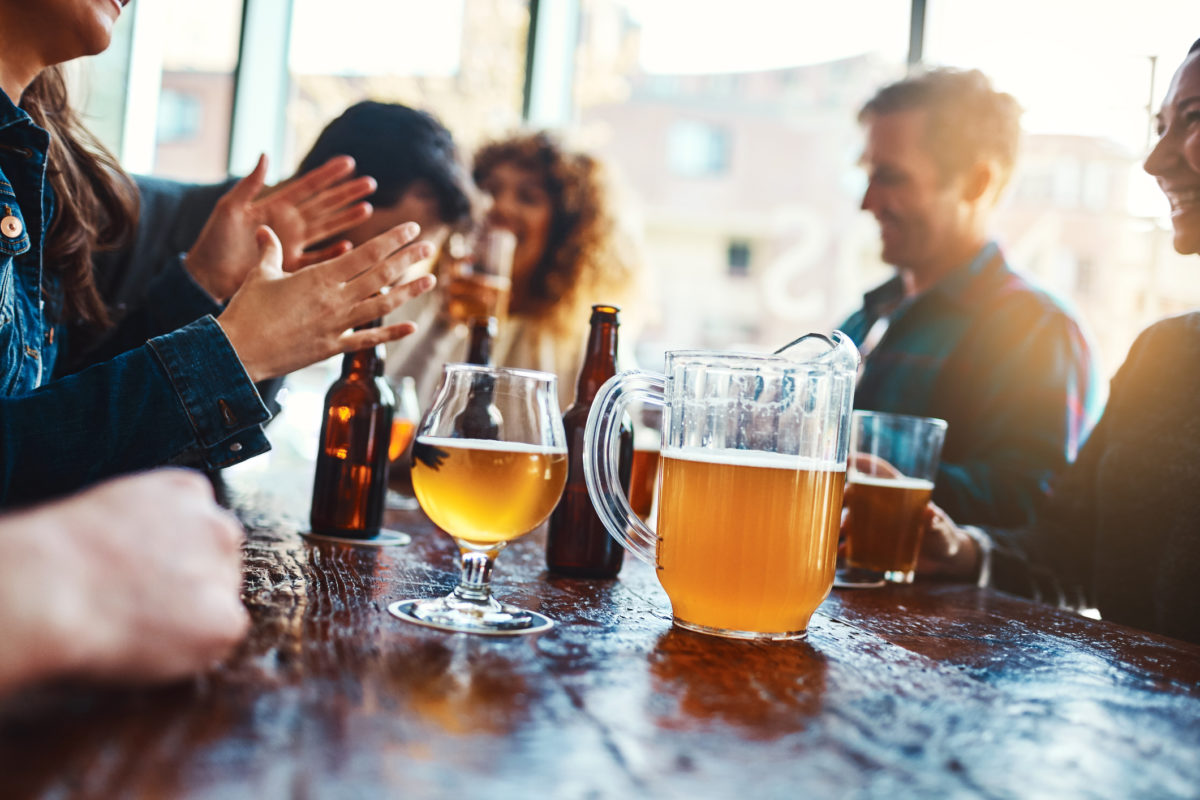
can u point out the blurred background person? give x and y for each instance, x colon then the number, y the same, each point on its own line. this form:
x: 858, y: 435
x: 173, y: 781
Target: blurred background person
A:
x: 1119, y: 533
x: 571, y: 252
x: 135, y: 580
x: 957, y: 334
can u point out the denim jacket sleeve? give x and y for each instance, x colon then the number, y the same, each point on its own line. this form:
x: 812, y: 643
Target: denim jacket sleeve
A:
x: 182, y: 396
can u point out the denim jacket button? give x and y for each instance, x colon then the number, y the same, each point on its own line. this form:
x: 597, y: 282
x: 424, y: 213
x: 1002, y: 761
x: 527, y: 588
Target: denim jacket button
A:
x: 11, y: 227
x: 236, y: 447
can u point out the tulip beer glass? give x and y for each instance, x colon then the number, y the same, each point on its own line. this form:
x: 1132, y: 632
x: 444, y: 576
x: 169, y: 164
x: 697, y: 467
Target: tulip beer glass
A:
x: 753, y: 467
x: 489, y: 465
x: 893, y: 463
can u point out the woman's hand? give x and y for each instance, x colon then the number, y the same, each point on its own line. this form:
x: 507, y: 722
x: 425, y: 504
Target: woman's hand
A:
x: 278, y: 322
x: 302, y: 212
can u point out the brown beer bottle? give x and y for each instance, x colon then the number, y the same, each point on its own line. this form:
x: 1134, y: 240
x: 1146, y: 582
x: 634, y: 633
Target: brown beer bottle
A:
x: 480, y: 419
x: 479, y: 347
x: 350, y: 486
x: 577, y: 543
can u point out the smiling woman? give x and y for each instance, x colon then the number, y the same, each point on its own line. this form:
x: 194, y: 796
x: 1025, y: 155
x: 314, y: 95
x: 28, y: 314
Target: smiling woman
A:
x: 1175, y: 160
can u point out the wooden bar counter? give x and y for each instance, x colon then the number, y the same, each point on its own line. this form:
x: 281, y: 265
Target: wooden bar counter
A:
x: 921, y: 691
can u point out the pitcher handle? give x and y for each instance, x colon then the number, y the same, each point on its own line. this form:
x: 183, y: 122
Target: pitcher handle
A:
x: 601, y: 457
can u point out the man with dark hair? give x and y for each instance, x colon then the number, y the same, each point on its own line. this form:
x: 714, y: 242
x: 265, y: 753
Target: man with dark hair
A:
x: 412, y: 158
x: 957, y: 334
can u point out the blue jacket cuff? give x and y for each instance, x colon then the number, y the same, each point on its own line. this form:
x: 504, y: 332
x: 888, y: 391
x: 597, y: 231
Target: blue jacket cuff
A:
x: 223, y: 406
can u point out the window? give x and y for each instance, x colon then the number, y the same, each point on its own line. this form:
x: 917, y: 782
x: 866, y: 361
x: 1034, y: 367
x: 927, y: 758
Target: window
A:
x: 739, y: 258
x: 199, y: 51
x: 697, y: 150
x: 179, y: 116
x: 461, y: 60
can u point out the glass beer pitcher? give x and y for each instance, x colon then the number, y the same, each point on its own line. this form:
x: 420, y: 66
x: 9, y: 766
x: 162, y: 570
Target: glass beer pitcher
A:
x: 753, y: 462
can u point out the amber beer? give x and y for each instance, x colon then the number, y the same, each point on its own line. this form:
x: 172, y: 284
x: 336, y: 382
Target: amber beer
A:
x: 884, y: 523
x: 402, y: 434
x: 641, y: 484
x: 747, y: 540
x: 472, y: 295
x: 484, y: 491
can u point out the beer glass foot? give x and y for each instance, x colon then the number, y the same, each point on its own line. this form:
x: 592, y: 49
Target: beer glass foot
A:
x: 734, y: 634
x: 399, y: 502
x: 488, y: 619
x: 386, y: 538
x: 858, y: 578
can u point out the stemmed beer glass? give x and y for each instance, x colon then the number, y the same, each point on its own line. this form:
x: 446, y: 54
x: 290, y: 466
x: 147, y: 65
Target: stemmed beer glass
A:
x: 489, y: 465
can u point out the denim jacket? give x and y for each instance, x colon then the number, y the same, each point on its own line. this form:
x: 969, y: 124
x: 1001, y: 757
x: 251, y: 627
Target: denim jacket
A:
x: 179, y: 397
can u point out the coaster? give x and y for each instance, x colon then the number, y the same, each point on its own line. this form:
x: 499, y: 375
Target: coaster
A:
x: 386, y: 538
x: 402, y: 609
x: 857, y: 578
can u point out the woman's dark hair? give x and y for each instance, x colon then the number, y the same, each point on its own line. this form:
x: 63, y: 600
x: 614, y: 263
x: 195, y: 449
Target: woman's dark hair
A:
x: 95, y: 202
x: 583, y: 262
x: 1195, y: 46
x: 397, y: 145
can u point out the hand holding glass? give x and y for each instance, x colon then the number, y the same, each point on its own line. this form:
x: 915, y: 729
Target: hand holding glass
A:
x: 893, y: 464
x: 480, y: 284
x: 489, y: 466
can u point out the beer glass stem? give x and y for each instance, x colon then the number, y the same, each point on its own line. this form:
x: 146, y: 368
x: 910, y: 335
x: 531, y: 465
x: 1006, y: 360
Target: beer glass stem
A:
x: 475, y: 580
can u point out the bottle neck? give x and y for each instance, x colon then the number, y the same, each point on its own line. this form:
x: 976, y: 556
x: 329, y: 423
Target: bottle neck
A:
x: 600, y: 359
x: 367, y: 362
x: 483, y: 333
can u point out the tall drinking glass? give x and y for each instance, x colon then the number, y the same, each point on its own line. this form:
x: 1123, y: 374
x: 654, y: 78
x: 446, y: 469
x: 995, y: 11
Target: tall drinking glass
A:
x: 893, y: 464
x: 489, y: 465
x: 480, y: 284
x: 404, y: 427
x: 647, y: 447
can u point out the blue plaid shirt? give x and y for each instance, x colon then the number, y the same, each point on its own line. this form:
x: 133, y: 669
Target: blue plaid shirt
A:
x: 1003, y: 363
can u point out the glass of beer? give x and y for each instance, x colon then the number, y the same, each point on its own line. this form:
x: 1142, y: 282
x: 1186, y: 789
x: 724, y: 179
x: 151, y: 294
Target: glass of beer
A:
x: 480, y: 284
x: 489, y: 464
x: 893, y: 464
x: 647, y: 446
x: 753, y: 463
x: 404, y: 427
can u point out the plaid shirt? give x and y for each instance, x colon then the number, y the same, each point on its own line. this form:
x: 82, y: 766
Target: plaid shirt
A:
x: 1002, y: 362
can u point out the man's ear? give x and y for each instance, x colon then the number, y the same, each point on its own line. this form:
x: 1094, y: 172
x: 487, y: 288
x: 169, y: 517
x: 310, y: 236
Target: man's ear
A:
x: 982, y: 179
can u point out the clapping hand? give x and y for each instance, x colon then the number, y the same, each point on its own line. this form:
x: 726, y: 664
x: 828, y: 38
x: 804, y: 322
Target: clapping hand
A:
x: 304, y: 211
x: 278, y: 321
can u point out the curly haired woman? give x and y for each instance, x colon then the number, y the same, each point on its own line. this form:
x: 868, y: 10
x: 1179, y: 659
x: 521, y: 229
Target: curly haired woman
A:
x: 570, y: 253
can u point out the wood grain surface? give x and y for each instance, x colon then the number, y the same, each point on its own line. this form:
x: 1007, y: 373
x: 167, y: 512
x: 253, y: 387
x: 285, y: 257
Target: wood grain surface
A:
x: 917, y: 691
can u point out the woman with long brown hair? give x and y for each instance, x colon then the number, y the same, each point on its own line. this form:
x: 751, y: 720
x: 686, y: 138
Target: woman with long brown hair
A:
x: 227, y: 317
